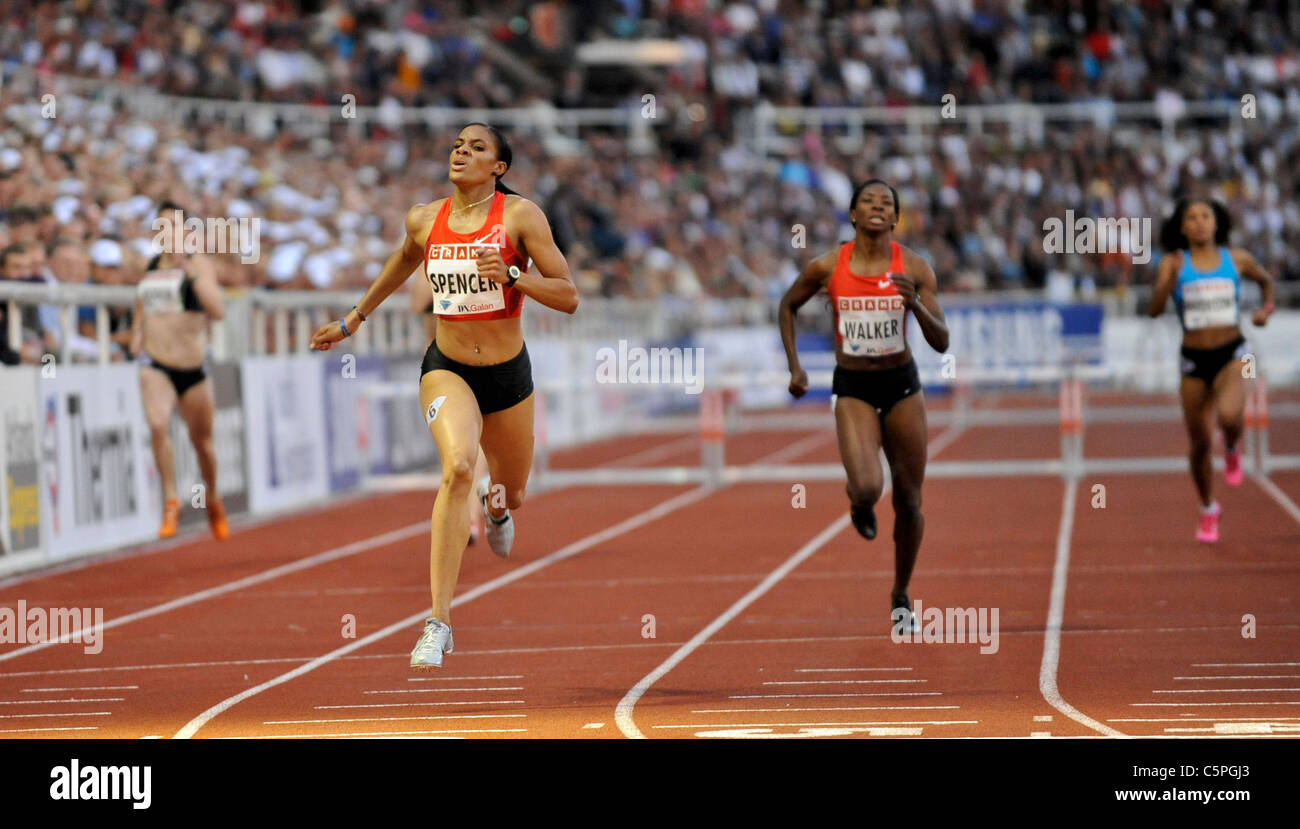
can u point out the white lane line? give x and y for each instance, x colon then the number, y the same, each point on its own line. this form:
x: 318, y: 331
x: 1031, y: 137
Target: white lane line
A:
x: 832, y: 722
x: 840, y: 681
x: 1231, y: 691
x: 444, y: 690
x: 594, y: 725
x: 826, y: 696
x: 81, y: 688
x: 1208, y: 719
x: 404, y: 625
x: 1239, y: 676
x: 831, y: 708
x: 30, y: 730
x: 797, y: 448
x: 461, y: 678
x: 421, y: 704
x: 381, y: 734
x: 623, y: 712
x: 1278, y: 495
x: 1209, y: 704
x: 654, y: 453
x: 816, y: 670
x: 1056, y: 613
x: 344, y: 551
x: 59, y: 701
x: 1245, y: 664
x: 60, y: 714
x: 396, y: 719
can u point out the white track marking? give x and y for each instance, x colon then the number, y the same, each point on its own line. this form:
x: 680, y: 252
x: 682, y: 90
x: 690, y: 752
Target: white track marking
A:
x: 444, y: 690
x: 1231, y: 691
x: 825, y: 696
x: 1277, y: 495
x: 81, y: 688
x: 1055, y: 615
x: 396, y: 719
x: 1209, y: 704
x: 382, y: 734
x: 816, y: 670
x: 344, y: 551
x: 832, y: 708
x: 30, y: 730
x: 1239, y: 676
x: 460, y: 678
x: 654, y: 453
x: 1245, y: 664
x: 839, y: 681
x: 623, y: 712
x: 794, y: 450
x: 594, y: 725
x: 1042, y: 718
x: 422, y: 704
x: 811, y: 724
x: 70, y: 714
x: 653, y: 514
x: 58, y: 701
x: 1207, y: 719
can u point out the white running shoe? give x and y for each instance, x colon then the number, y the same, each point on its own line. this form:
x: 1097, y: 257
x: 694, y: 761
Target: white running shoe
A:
x: 433, y: 643
x: 500, y: 532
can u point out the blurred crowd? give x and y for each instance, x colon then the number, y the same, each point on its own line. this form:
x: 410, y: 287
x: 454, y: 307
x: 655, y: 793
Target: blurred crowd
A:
x: 696, y: 211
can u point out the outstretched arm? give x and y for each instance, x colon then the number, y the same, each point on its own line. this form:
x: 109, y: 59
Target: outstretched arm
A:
x: 396, y: 270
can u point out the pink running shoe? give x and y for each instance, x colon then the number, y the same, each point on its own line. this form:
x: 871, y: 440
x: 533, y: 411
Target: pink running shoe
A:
x: 1232, y: 472
x: 1208, y: 528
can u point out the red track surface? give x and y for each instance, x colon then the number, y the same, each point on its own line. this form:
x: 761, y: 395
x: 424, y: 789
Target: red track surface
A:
x: 1148, y: 613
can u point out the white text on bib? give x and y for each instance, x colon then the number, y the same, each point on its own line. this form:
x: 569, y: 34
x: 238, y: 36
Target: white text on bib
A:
x: 871, y: 326
x: 452, y: 271
x: 1209, y: 303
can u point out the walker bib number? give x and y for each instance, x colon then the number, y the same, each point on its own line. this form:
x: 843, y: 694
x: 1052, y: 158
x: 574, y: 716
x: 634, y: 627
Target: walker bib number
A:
x: 160, y: 292
x: 871, y: 326
x: 1209, y: 303
x: 452, y: 271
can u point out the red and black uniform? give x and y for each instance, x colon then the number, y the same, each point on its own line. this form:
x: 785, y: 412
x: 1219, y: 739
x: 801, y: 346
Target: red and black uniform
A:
x: 871, y: 321
x: 459, y: 293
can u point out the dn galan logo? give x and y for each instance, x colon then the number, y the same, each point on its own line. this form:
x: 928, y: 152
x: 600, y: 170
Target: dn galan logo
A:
x: 871, y: 303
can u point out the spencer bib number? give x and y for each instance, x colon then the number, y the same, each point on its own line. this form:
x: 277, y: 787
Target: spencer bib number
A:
x: 871, y: 326
x: 452, y: 271
x: 1209, y: 303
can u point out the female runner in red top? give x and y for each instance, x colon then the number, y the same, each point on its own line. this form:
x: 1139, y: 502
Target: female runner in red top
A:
x: 873, y: 282
x: 476, y: 381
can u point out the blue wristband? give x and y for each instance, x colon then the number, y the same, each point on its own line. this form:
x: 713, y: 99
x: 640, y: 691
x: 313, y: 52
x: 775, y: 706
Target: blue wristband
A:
x: 344, y: 326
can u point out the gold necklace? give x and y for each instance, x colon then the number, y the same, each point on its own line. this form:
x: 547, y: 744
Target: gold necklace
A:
x: 455, y: 210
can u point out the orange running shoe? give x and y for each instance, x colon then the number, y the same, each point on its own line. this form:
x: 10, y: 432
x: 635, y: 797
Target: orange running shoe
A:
x: 171, y: 517
x: 217, y: 521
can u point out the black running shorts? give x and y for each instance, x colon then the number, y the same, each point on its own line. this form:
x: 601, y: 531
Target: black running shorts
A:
x: 881, y: 389
x: 495, y: 387
x: 1206, y: 363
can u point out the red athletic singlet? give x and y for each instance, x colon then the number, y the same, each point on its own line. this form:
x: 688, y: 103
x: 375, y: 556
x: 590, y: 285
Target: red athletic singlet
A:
x: 870, y: 318
x: 449, y: 265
